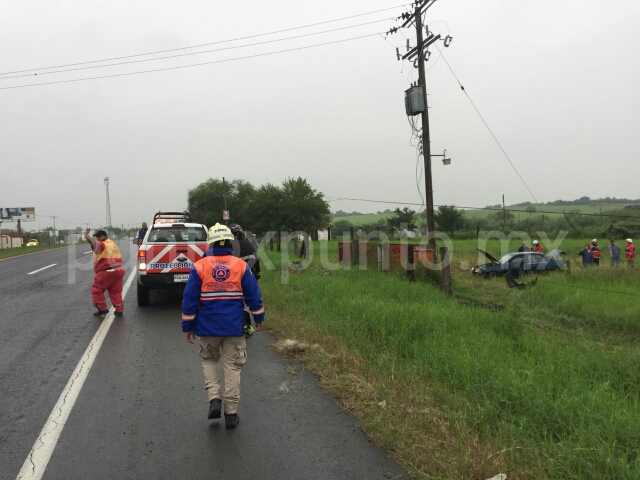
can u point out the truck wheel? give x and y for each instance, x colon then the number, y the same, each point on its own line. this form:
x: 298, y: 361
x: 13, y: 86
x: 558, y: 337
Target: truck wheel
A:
x: 143, y: 295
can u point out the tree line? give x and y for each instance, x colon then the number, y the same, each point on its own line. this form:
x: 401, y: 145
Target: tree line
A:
x: 292, y: 206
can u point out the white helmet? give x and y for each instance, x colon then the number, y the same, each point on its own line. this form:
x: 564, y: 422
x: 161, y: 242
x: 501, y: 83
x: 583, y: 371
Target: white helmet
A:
x: 219, y: 233
x: 629, y: 240
x: 594, y: 241
x: 535, y: 242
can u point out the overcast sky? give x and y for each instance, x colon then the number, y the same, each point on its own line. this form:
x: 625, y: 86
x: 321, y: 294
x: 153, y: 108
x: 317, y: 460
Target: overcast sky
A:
x: 557, y: 81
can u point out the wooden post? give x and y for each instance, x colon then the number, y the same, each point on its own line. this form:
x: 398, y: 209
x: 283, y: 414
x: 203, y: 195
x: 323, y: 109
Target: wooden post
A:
x: 446, y: 271
x: 411, y: 268
x: 278, y: 246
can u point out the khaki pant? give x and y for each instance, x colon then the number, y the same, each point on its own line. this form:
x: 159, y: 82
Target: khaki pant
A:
x: 233, y: 351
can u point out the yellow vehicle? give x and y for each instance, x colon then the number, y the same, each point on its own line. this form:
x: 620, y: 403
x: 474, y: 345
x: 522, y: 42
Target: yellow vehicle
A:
x: 32, y: 243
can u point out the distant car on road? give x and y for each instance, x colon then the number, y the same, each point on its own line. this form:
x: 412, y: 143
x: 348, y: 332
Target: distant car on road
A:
x: 519, y: 263
x: 33, y: 243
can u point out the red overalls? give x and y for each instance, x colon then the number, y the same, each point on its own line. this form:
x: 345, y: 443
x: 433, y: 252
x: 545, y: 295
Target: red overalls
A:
x: 107, y: 263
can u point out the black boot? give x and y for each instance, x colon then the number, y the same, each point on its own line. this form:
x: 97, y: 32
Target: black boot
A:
x: 100, y: 313
x: 215, y: 408
x: 231, y: 420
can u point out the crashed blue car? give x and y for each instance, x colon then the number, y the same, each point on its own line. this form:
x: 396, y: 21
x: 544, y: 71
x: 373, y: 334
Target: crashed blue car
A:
x: 519, y: 263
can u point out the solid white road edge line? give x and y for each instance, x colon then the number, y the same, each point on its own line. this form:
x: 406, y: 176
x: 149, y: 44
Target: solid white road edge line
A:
x: 34, y: 466
x: 43, y: 268
x: 87, y: 253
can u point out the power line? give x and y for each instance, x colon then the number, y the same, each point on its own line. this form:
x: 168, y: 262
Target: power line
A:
x: 487, y: 125
x: 192, y: 53
x: 204, y: 44
x: 191, y: 65
x: 485, y: 208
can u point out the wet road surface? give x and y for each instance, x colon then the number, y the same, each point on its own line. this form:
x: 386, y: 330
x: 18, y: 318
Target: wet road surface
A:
x: 141, y: 412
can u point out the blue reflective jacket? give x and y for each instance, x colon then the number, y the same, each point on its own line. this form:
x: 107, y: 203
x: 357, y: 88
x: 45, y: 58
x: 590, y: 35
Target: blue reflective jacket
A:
x: 218, y: 287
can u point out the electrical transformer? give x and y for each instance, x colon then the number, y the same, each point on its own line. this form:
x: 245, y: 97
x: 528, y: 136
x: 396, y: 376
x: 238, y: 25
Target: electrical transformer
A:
x: 414, y: 101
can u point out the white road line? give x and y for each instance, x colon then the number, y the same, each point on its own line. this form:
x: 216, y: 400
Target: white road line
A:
x: 43, y: 268
x: 87, y: 253
x: 34, y: 466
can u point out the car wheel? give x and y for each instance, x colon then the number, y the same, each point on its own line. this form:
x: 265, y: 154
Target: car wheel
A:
x: 143, y: 295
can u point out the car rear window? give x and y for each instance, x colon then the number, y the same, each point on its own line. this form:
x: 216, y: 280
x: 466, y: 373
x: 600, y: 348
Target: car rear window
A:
x: 177, y: 234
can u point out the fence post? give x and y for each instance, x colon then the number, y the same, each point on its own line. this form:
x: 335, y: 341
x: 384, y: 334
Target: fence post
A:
x: 446, y: 271
x: 278, y: 245
x: 411, y: 268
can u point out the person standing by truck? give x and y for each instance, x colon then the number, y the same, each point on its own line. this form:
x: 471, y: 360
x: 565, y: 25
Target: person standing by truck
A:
x: 141, y: 233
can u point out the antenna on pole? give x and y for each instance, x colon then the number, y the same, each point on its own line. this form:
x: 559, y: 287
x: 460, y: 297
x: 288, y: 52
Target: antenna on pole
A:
x: 106, y: 183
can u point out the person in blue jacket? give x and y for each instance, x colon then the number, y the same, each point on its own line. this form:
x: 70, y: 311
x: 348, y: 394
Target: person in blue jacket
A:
x: 587, y: 256
x: 213, y: 309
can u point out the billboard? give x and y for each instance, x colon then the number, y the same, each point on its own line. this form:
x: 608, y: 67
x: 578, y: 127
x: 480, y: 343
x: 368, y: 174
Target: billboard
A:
x: 23, y: 214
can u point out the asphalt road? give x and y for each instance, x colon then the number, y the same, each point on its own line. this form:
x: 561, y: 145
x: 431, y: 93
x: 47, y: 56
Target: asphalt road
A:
x: 141, y: 412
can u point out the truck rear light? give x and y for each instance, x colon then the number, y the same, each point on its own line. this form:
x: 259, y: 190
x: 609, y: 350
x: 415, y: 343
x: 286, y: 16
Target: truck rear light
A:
x: 142, y: 260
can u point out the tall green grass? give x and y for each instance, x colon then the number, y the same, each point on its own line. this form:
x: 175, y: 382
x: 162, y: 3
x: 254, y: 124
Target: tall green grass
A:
x: 535, y: 379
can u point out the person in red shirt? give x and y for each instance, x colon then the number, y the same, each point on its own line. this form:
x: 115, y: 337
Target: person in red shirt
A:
x: 536, y: 246
x: 595, y: 252
x: 630, y: 253
x: 109, y: 273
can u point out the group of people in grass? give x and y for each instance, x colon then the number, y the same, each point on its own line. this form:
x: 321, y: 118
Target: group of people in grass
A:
x: 591, y: 253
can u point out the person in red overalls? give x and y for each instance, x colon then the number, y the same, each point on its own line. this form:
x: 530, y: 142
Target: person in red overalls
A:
x: 630, y: 253
x: 595, y: 252
x: 536, y: 246
x: 107, y: 264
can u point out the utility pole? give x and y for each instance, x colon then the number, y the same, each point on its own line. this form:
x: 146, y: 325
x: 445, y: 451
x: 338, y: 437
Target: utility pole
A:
x: 426, y: 140
x: 224, y: 194
x: 55, y: 235
x: 106, y: 182
x: 421, y: 54
x: 504, y: 216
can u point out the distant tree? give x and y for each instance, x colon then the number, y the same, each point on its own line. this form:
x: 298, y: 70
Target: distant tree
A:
x: 302, y: 207
x: 531, y: 209
x: 263, y: 211
x: 449, y: 218
x: 206, y: 201
x: 341, y: 226
x: 403, y: 217
x: 340, y: 213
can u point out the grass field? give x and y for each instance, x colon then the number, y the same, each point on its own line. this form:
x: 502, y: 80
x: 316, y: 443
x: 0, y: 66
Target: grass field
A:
x: 538, y: 383
x: 15, y: 252
x: 364, y: 219
x: 552, y: 211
